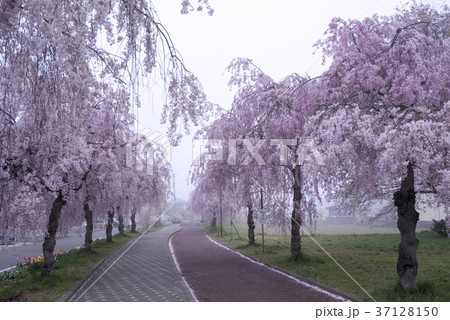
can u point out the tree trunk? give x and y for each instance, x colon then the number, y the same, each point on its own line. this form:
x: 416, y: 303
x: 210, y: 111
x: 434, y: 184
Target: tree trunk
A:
x: 405, y: 201
x: 109, y: 226
x: 158, y: 223
x: 89, y: 226
x: 214, y: 222
x: 251, y: 225
x: 50, y: 236
x: 121, y: 227
x: 133, y: 220
x: 296, y: 219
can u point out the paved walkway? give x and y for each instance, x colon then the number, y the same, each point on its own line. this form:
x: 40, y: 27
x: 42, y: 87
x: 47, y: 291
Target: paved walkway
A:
x: 216, y: 273
x: 145, y: 272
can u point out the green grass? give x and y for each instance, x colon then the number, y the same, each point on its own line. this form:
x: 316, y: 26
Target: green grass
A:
x: 65, y: 273
x: 369, y: 258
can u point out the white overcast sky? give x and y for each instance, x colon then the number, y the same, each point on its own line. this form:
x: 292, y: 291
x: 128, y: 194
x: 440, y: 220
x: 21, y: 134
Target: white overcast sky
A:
x: 278, y: 35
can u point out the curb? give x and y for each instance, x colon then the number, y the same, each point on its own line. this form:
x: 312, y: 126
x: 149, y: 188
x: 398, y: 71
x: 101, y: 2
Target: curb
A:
x: 80, y: 283
x: 294, y: 275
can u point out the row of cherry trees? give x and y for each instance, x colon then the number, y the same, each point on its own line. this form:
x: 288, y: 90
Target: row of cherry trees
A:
x: 373, y: 127
x: 69, y: 75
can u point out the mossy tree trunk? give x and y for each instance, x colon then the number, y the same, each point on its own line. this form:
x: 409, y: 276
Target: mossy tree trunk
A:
x: 405, y: 201
x: 296, y: 218
x: 48, y: 246
x: 251, y: 225
x: 214, y: 222
x: 89, y: 225
x: 109, y: 226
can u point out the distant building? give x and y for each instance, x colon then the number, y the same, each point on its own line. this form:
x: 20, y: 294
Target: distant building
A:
x: 426, y: 213
x: 334, y: 216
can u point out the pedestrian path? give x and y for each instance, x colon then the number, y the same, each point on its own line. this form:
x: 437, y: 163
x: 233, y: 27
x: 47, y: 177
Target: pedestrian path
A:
x: 146, y: 272
x: 217, y: 273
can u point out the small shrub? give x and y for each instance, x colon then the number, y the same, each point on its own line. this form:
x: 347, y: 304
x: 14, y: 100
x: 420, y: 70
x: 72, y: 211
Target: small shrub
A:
x: 157, y: 223
x: 16, y: 273
x: 176, y: 219
x: 440, y: 227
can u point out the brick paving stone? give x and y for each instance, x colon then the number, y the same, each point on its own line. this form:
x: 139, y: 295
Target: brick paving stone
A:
x: 145, y: 272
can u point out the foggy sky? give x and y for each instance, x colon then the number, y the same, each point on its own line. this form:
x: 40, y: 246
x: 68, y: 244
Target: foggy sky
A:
x: 277, y: 35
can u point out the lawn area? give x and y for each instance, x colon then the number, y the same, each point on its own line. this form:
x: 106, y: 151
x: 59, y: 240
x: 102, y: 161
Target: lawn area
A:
x: 369, y: 258
x: 67, y: 271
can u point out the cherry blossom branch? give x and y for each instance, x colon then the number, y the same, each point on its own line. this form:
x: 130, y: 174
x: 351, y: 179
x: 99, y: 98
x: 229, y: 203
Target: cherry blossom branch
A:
x: 11, y: 118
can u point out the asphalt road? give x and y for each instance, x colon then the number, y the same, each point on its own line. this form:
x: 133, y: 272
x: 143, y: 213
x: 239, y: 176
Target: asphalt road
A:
x: 9, y: 254
x: 216, y: 273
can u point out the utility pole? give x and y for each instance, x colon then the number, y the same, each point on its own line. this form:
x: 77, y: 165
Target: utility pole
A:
x: 174, y: 194
x: 262, y: 224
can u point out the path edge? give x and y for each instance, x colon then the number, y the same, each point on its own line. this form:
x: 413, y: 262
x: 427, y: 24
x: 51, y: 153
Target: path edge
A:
x: 75, y: 288
x: 312, y: 282
x: 184, y: 287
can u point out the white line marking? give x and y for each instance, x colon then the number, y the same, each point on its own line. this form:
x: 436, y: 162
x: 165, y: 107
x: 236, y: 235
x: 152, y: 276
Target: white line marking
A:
x: 282, y: 273
x: 10, y: 268
x: 179, y: 269
x: 15, y: 245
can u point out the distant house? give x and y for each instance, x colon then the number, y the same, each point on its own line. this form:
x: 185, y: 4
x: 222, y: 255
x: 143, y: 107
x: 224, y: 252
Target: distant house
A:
x: 333, y: 216
x: 426, y: 213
